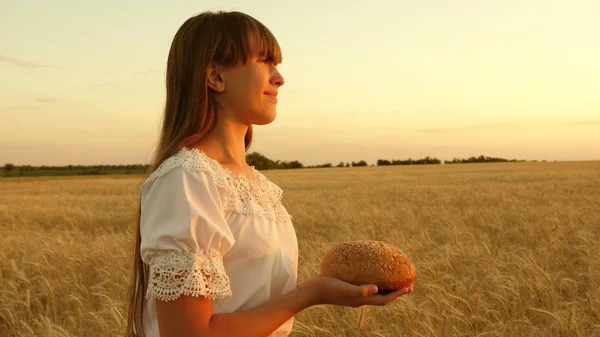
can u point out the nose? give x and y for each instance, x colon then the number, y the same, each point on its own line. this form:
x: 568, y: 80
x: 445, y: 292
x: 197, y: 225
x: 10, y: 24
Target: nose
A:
x: 277, y: 79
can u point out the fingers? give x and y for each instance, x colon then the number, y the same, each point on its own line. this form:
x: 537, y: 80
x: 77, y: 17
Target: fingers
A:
x: 348, y: 290
x: 365, y: 290
x: 371, y: 290
x: 394, y: 295
x: 380, y: 300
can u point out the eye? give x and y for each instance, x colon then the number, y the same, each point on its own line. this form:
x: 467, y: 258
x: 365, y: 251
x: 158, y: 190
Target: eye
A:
x: 266, y: 60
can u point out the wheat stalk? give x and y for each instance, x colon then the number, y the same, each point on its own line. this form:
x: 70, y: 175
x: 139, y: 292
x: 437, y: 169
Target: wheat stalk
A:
x: 361, y: 317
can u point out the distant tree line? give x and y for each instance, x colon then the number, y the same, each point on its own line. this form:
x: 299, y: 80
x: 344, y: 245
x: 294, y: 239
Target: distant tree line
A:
x: 409, y: 161
x: 481, y: 159
x: 10, y: 170
x: 259, y: 161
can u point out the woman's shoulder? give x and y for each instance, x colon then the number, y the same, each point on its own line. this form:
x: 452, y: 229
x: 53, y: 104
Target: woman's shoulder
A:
x: 237, y: 193
x: 187, y: 161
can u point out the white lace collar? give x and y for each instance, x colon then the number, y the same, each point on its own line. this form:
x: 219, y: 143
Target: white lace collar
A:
x: 242, y: 194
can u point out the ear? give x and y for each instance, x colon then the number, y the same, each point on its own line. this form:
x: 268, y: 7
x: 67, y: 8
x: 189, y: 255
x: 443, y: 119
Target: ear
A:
x: 214, y: 80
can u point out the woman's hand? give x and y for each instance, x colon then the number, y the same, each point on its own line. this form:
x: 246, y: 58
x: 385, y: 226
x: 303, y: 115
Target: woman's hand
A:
x: 328, y: 290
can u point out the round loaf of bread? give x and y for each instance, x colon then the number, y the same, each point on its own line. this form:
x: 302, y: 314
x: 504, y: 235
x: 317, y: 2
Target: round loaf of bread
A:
x: 369, y: 262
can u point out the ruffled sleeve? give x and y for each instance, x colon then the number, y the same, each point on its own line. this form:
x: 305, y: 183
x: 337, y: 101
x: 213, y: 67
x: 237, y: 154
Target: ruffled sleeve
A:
x: 184, y: 236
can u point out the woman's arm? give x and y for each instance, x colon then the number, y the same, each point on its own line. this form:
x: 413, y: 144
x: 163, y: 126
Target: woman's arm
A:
x: 193, y: 316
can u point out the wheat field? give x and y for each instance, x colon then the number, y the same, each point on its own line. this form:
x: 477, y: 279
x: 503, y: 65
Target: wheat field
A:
x: 506, y: 249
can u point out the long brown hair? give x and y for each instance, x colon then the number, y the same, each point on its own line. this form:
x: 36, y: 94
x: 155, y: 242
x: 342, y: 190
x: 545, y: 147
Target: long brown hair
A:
x: 190, y: 111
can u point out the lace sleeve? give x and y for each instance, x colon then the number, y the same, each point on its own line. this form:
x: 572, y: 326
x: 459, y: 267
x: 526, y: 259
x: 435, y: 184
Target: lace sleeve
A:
x: 175, y: 273
x: 184, y: 236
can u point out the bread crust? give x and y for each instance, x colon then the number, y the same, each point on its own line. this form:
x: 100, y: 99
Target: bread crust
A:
x: 369, y: 262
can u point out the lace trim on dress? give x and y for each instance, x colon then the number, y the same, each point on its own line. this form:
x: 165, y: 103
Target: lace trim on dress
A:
x: 243, y: 195
x: 175, y: 273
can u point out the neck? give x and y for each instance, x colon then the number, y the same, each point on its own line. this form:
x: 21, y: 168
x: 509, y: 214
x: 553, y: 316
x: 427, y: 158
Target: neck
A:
x: 226, y: 143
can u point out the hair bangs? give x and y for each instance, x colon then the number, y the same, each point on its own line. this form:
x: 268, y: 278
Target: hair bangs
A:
x: 266, y: 44
x: 246, y: 37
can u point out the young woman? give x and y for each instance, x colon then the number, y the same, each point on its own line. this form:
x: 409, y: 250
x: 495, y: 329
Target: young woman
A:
x: 216, y: 251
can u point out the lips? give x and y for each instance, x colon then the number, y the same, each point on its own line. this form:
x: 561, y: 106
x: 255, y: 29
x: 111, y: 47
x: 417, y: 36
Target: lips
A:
x: 272, y: 96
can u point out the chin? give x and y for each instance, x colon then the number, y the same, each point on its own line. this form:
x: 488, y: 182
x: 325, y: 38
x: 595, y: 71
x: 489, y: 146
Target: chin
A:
x: 264, y: 119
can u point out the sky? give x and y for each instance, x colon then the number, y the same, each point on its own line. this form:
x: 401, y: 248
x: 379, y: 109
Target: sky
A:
x: 82, y: 82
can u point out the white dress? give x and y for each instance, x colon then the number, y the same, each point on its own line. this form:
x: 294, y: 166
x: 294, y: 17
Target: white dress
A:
x: 207, y: 231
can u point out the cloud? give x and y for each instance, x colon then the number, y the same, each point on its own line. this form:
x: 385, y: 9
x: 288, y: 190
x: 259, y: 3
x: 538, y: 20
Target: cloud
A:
x: 472, y: 127
x: 361, y: 114
x: 147, y: 72
x: 506, y: 125
x: 101, y: 85
x: 26, y: 64
x: 583, y: 123
x: 46, y: 100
